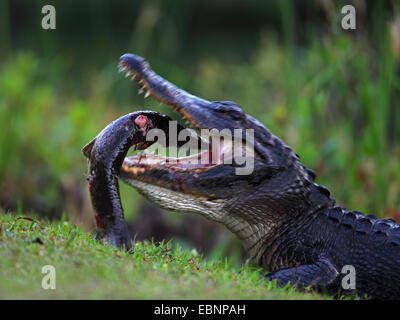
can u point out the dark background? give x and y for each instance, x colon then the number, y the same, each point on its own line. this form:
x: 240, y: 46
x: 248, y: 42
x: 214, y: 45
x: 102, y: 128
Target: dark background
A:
x: 331, y: 94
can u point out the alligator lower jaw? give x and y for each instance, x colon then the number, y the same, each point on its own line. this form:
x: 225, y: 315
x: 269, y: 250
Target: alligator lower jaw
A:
x: 196, y: 163
x: 192, y: 163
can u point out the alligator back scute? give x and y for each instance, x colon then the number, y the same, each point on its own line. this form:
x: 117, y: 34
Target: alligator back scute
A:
x: 336, y: 214
x: 364, y: 225
x: 394, y: 239
x: 381, y: 231
x: 349, y: 219
x: 323, y: 190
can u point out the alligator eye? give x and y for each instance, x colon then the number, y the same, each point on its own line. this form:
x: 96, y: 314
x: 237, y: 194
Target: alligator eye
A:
x: 235, y: 115
x: 230, y: 108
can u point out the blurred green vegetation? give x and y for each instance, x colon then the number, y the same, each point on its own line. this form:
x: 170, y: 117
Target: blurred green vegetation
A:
x: 332, y: 95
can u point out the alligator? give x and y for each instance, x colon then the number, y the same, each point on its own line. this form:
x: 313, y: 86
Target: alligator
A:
x: 288, y: 224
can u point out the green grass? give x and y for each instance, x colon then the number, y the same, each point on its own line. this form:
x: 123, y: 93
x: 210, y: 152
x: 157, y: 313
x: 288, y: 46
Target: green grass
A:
x: 87, y: 269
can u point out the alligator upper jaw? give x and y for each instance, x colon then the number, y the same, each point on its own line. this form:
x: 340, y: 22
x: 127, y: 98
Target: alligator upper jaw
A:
x: 198, y: 113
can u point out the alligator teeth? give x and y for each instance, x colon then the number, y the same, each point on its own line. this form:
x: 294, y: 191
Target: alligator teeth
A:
x: 128, y: 74
x: 147, y: 94
x: 140, y: 81
x: 122, y: 68
x: 141, y: 90
x: 133, y: 77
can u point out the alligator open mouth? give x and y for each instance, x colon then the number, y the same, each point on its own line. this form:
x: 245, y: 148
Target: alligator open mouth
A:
x: 213, y: 150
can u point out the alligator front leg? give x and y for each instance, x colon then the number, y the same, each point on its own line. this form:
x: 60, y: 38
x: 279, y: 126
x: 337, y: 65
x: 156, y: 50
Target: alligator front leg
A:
x: 318, y: 274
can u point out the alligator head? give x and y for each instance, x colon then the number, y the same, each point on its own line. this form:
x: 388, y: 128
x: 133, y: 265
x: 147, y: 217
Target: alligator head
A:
x: 251, y: 205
